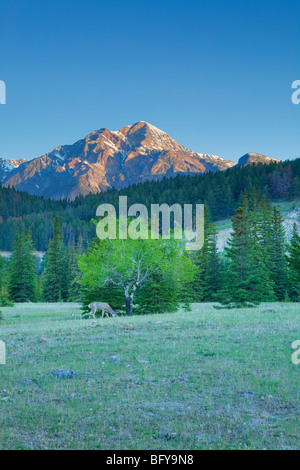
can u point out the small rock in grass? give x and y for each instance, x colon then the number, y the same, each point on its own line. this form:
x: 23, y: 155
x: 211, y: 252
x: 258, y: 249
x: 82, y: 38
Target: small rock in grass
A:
x: 27, y: 382
x: 63, y: 374
x: 143, y: 361
x: 170, y: 436
x: 114, y: 358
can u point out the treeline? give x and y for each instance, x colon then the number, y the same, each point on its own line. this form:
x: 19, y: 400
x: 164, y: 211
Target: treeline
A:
x: 20, y: 212
x: 257, y: 266
x: 220, y: 192
x: 57, y: 280
x: 150, y: 276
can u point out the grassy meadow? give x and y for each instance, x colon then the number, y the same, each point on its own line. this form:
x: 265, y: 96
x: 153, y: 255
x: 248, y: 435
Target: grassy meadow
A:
x: 205, y: 379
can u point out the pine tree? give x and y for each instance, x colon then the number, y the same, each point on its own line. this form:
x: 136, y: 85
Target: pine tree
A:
x: 294, y: 189
x: 247, y: 280
x: 161, y: 294
x: 22, y: 285
x: 238, y: 283
x: 74, y: 275
x: 260, y: 229
x: 294, y: 265
x: 55, y: 276
x: 4, y: 296
x: 278, y: 262
x: 2, y: 272
x: 207, y: 274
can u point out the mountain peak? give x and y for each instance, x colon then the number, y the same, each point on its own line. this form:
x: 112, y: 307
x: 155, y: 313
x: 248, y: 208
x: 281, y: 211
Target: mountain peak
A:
x: 253, y: 158
x: 112, y: 159
x: 8, y: 165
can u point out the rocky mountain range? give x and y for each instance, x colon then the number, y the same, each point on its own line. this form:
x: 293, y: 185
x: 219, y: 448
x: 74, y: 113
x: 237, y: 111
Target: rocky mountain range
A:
x: 106, y: 159
x: 7, y: 165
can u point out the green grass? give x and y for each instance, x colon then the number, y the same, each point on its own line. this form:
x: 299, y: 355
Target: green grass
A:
x: 205, y: 379
x: 223, y: 224
x: 286, y: 206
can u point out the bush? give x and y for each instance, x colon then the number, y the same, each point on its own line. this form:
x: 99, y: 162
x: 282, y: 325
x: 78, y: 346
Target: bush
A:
x: 4, y: 299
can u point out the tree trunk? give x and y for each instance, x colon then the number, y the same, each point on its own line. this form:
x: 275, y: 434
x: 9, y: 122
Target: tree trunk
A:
x: 129, y: 304
x: 129, y: 298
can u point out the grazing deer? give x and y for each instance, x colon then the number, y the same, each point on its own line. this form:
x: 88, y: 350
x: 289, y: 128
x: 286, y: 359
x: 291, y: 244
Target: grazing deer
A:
x: 103, y: 306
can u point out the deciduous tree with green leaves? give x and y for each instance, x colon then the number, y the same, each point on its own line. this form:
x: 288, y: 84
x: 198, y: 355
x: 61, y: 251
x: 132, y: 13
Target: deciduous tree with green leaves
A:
x: 129, y: 263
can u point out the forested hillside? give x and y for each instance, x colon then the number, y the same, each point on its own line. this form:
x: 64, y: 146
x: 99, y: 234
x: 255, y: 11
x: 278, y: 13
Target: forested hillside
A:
x: 220, y: 192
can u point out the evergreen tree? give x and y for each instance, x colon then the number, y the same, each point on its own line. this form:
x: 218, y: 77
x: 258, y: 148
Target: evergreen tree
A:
x: 4, y: 296
x: 294, y: 265
x: 247, y: 280
x: 55, y: 276
x: 74, y: 288
x: 294, y: 189
x: 3, y: 272
x: 207, y: 274
x: 260, y: 230
x: 160, y: 295
x: 22, y: 285
x: 278, y: 263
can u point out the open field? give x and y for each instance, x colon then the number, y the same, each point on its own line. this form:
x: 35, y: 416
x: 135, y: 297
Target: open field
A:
x: 206, y: 379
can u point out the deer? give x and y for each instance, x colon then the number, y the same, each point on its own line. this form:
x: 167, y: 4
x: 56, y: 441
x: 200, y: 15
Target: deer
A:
x: 104, y: 307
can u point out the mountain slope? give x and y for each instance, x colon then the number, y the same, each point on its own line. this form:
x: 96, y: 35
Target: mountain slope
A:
x: 5, y: 169
x: 254, y: 159
x: 8, y: 165
x: 106, y: 159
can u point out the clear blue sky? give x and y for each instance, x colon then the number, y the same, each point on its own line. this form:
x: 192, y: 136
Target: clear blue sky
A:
x: 216, y: 75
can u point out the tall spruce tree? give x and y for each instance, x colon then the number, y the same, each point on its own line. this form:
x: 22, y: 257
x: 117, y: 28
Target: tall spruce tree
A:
x: 278, y: 262
x: 4, y: 296
x: 259, y: 216
x: 294, y: 265
x: 74, y: 293
x: 161, y: 294
x: 246, y: 279
x: 55, y: 276
x: 22, y: 284
x: 206, y: 281
x: 3, y: 270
